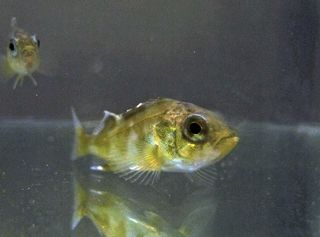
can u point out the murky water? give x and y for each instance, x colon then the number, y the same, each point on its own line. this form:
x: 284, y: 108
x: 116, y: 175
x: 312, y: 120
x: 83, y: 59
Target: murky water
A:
x: 250, y: 60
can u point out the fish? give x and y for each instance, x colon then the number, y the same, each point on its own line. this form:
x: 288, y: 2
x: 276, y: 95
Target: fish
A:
x: 121, y: 215
x: 117, y: 217
x: 22, y: 56
x: 160, y: 135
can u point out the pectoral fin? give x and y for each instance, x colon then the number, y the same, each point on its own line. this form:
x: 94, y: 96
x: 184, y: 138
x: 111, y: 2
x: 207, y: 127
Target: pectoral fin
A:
x: 204, y: 176
x: 6, y: 71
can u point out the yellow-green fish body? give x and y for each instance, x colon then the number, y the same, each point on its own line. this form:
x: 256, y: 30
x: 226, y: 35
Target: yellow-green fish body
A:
x: 115, y: 216
x: 22, y: 56
x: 159, y: 135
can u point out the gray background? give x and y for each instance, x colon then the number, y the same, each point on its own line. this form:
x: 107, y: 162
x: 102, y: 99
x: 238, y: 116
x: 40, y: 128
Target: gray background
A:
x: 255, y: 60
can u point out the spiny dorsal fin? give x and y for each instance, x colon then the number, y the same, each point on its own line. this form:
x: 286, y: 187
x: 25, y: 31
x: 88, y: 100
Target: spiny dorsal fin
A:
x: 13, y: 22
x: 108, y: 121
x: 133, y: 111
x: 14, y: 27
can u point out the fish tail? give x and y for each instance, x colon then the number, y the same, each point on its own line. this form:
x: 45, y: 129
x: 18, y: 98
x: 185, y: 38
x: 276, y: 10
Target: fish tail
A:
x: 81, y: 140
x: 80, y: 204
x: 5, y: 70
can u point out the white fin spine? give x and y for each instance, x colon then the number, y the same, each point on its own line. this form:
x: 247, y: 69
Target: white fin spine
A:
x: 14, y: 27
x: 13, y: 22
x: 107, y: 115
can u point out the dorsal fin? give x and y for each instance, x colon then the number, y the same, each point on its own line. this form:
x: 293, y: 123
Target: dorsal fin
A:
x: 133, y: 111
x: 13, y: 23
x: 108, y: 120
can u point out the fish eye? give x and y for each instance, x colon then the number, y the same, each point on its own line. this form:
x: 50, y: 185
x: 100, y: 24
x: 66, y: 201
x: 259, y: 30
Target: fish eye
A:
x: 12, y: 47
x: 195, y: 128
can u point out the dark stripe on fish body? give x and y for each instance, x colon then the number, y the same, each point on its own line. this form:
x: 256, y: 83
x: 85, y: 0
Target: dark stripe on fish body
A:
x: 121, y: 144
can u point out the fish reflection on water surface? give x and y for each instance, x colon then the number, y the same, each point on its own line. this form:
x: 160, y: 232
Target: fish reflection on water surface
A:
x: 116, y: 210
x: 159, y: 135
x: 22, y: 56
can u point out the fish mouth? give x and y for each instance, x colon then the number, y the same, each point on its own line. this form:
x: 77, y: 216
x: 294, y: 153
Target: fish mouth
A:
x: 231, y: 138
x: 30, y: 61
x: 220, y: 150
x: 29, y: 51
x: 226, y: 144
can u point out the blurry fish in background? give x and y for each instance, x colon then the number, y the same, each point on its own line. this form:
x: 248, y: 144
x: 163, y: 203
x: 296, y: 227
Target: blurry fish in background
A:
x: 22, y: 56
x: 159, y: 135
x: 119, y: 214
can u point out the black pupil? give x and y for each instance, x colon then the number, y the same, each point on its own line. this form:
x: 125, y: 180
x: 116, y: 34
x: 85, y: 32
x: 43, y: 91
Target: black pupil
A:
x: 194, y: 128
x: 11, y: 46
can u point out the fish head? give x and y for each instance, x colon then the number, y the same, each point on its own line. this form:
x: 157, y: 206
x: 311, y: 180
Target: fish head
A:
x: 23, y: 52
x: 202, y: 138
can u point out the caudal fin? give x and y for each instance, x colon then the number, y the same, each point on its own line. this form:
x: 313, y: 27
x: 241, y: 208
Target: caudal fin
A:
x: 80, y: 204
x: 81, y: 138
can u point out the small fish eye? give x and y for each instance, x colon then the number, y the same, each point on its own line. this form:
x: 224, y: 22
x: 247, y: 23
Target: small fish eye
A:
x: 195, y: 128
x: 12, y: 46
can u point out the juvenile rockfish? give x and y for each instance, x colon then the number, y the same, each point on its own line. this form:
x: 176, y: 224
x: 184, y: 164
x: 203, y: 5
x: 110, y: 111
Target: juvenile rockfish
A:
x: 120, y: 214
x: 159, y: 135
x: 22, y: 57
x: 116, y: 217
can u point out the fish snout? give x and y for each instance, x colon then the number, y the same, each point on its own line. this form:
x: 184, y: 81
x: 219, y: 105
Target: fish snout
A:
x: 229, y: 134
x: 30, y: 58
x: 233, y: 136
x: 26, y: 53
x: 29, y: 62
x: 227, y: 142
